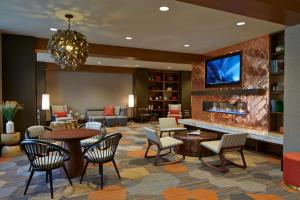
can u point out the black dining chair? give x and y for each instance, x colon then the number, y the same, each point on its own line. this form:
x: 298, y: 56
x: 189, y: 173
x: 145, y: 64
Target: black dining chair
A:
x: 42, y: 159
x: 101, y: 152
x: 95, y: 126
x: 37, y: 132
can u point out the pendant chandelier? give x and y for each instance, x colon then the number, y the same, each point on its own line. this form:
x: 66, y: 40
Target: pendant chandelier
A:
x: 68, y: 48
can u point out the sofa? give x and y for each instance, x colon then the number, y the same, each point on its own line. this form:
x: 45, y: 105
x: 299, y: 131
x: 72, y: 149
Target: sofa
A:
x: 118, y: 115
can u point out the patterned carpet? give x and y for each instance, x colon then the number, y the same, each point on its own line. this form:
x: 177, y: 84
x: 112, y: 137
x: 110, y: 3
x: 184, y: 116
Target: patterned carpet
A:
x: 142, y: 180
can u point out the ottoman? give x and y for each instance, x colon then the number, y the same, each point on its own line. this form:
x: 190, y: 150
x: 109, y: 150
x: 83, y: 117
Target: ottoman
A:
x: 291, y: 169
x: 122, y: 120
x: 111, y: 120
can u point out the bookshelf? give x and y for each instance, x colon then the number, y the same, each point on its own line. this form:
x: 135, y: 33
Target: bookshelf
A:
x: 163, y: 89
x: 276, y: 82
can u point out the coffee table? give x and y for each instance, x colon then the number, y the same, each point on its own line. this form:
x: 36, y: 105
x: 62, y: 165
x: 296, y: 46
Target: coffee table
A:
x: 191, y: 143
x: 71, y: 139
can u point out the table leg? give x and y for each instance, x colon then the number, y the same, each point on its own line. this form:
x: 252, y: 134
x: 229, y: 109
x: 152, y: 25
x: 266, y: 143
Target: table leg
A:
x: 76, y: 163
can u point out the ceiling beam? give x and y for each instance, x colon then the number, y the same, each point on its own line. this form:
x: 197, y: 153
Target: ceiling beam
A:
x: 109, y: 51
x: 286, y: 12
x: 92, y: 68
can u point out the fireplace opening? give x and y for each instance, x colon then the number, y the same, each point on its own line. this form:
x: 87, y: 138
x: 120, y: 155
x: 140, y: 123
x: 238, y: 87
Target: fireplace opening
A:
x: 238, y: 108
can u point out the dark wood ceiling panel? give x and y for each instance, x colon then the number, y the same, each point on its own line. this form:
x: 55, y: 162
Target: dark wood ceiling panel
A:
x: 110, y: 51
x: 286, y: 12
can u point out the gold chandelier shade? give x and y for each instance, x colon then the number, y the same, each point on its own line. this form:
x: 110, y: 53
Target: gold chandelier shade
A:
x: 69, y: 48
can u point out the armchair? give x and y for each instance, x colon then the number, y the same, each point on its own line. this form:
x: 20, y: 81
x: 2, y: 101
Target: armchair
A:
x: 175, y: 111
x: 60, y: 113
x: 169, y: 125
x: 161, y: 144
x: 228, y: 142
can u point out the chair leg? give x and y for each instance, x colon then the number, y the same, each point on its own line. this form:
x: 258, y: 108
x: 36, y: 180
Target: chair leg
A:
x: 86, y: 164
x: 160, y: 134
x: 46, y: 177
x: 116, y: 168
x: 243, y: 158
x: 223, y: 165
x: 30, y: 168
x: 149, y: 144
x: 29, y: 180
x: 101, y: 172
x: 67, y: 174
x: 51, y: 183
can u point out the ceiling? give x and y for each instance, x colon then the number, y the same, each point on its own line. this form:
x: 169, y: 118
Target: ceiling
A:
x: 115, y: 62
x: 109, y: 22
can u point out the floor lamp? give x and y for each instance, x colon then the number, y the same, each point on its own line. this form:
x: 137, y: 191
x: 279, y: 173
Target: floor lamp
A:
x: 131, y: 103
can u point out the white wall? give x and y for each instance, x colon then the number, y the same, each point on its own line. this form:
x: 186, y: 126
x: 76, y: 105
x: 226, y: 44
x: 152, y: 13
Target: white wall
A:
x: 81, y: 90
x: 292, y: 89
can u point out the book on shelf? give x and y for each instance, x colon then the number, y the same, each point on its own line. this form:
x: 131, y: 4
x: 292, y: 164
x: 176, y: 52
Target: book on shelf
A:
x: 277, y: 66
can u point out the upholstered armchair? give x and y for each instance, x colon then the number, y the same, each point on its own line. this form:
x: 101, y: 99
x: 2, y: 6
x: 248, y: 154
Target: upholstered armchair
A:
x: 175, y: 111
x: 168, y: 124
x: 60, y: 113
x: 165, y: 143
x: 228, y: 143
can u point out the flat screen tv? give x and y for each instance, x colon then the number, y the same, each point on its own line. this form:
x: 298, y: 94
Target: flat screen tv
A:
x: 225, y: 70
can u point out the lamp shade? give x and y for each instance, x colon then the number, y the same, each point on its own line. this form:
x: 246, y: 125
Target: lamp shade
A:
x: 45, y: 102
x: 131, y: 101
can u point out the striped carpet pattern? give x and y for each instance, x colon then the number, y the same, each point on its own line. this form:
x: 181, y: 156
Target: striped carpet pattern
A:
x: 262, y: 180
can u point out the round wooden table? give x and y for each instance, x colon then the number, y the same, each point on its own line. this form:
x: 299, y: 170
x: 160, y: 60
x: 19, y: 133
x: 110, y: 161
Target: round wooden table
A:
x: 191, y: 143
x: 71, y: 139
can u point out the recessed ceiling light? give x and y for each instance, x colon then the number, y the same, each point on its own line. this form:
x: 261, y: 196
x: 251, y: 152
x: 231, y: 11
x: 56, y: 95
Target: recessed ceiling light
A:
x: 137, y: 65
x: 186, y: 45
x: 169, y: 67
x: 240, y: 23
x: 53, y: 29
x: 164, y: 8
x: 99, y: 62
x: 128, y: 38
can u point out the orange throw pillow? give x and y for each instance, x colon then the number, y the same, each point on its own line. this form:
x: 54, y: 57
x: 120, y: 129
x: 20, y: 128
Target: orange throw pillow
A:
x: 109, y: 111
x: 61, y: 114
x: 175, y: 111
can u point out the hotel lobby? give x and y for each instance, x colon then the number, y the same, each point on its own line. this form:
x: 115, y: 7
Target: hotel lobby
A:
x: 140, y: 99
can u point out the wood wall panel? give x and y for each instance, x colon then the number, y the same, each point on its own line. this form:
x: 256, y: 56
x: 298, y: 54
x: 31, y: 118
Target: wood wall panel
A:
x: 285, y: 12
x: 186, y: 87
x: 19, y: 77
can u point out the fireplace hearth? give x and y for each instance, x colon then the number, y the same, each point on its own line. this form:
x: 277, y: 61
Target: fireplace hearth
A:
x: 238, y: 108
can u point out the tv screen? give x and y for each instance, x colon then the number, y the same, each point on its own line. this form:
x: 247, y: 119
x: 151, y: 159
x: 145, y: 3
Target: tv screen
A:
x: 225, y: 70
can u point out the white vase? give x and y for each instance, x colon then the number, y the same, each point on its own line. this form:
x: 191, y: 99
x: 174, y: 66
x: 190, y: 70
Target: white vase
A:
x: 10, y: 127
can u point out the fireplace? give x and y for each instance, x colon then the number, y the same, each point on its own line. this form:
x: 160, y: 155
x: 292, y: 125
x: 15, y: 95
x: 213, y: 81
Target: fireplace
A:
x: 238, y: 108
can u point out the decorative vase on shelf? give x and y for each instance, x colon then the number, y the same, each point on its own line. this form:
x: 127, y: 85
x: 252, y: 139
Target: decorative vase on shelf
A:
x: 10, y: 127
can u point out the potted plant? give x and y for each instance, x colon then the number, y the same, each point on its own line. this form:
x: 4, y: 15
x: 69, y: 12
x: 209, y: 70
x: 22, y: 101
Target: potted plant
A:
x: 12, y: 138
x: 9, y: 110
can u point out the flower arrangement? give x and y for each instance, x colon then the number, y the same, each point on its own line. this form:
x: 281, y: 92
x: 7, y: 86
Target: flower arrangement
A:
x: 10, y: 108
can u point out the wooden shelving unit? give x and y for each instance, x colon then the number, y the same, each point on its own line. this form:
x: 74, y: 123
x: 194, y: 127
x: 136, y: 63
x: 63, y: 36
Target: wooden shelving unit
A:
x: 163, y: 89
x: 276, y: 82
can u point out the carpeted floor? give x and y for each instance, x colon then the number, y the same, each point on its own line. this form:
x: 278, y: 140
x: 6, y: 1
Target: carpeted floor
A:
x: 142, y: 180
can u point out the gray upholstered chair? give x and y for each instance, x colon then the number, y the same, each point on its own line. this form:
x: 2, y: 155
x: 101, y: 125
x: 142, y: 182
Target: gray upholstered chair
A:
x: 165, y: 143
x: 96, y: 126
x: 228, y: 142
x: 60, y: 108
x: 169, y: 125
